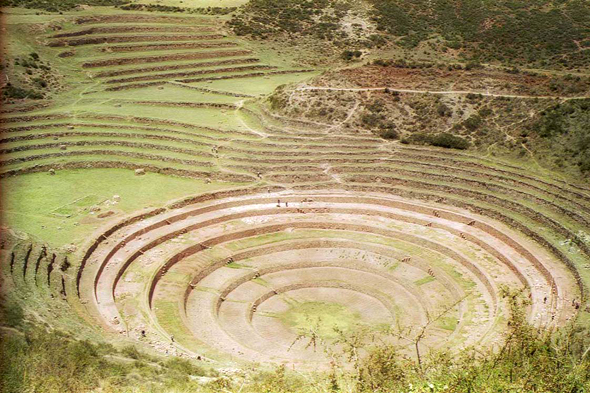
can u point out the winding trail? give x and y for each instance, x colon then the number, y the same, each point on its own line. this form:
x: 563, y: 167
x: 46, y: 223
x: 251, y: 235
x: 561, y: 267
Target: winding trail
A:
x: 239, y: 106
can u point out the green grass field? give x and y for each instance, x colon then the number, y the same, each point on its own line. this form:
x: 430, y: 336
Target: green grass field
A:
x: 56, y: 209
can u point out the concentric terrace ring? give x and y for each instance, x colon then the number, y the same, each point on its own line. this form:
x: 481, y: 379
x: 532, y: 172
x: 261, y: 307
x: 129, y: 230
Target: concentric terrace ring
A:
x: 211, y: 276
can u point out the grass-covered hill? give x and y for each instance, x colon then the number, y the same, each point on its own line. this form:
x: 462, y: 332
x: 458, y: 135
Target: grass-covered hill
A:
x: 503, y: 112
x: 542, y: 33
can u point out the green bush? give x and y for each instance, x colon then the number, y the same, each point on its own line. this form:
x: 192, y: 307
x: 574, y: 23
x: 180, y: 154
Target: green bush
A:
x: 317, y: 18
x: 348, y: 55
x: 131, y: 352
x: 584, y: 162
x: 442, y: 139
x: 530, y: 360
x: 184, y: 367
x: 444, y: 110
x: 19, y: 93
x: 50, y: 362
x: 449, y: 141
x: 564, y: 128
x: 472, y: 123
x: 12, y: 314
x: 371, y: 120
x: 390, y: 133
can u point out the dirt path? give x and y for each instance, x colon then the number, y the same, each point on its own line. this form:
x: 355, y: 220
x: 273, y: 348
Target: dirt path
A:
x: 440, y: 92
x: 239, y: 106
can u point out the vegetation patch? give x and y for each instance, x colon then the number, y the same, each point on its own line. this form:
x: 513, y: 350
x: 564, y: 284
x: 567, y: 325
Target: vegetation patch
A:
x: 444, y: 139
x: 29, y: 77
x: 56, y: 362
x: 57, y: 5
x: 538, y: 32
x: 563, y: 130
x: 541, y: 33
x: 326, y: 319
x: 172, y: 9
x: 424, y: 280
x: 528, y: 361
x: 341, y: 23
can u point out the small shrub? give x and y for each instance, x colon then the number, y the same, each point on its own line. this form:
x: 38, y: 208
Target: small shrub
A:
x: 371, y: 120
x: 390, y: 133
x: 449, y: 141
x: 444, y: 110
x: 19, y: 93
x: 349, y: 55
x: 472, y: 123
x: 131, y: 352
x: 12, y: 314
x: 184, y: 367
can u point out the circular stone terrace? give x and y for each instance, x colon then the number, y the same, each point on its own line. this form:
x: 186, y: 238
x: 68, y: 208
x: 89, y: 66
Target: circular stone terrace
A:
x: 245, y: 274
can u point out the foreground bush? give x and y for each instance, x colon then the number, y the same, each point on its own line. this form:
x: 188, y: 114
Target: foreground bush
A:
x: 530, y: 360
x: 49, y: 362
